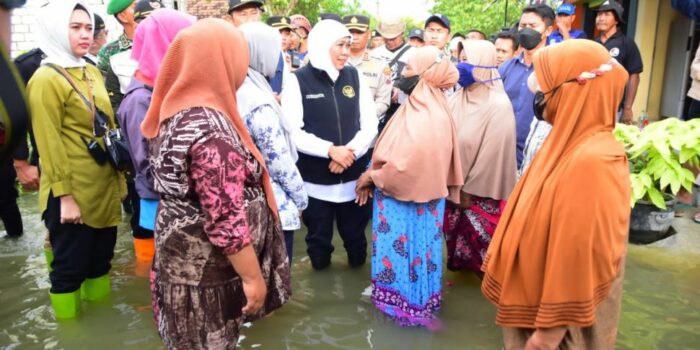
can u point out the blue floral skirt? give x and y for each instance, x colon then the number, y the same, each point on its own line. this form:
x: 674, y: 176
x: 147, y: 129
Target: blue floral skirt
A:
x: 407, y: 259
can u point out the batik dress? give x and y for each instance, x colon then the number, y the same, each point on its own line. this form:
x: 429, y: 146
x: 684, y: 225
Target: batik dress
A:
x: 212, y: 205
x: 407, y: 259
x: 468, y: 232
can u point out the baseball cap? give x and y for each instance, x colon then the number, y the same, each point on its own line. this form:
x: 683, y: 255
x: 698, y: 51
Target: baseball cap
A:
x: 416, y: 33
x: 566, y: 9
x: 440, y: 18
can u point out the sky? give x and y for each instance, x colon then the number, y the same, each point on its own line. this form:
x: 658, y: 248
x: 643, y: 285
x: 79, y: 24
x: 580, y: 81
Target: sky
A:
x: 417, y: 9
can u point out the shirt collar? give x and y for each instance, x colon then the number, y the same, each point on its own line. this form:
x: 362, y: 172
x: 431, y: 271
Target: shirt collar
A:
x: 124, y: 42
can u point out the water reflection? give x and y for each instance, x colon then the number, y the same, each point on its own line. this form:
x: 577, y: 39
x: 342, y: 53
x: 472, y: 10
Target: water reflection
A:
x: 330, y: 309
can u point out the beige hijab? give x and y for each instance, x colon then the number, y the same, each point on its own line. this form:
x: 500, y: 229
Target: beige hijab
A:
x: 485, y: 126
x: 416, y: 157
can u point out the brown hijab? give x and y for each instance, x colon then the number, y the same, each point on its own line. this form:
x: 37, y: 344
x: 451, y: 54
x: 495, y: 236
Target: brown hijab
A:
x: 562, y: 237
x: 416, y: 158
x: 485, y: 126
x: 204, y: 67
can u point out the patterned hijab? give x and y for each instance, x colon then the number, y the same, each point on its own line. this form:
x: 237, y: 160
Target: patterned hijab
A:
x: 416, y: 158
x: 562, y: 237
x: 185, y: 82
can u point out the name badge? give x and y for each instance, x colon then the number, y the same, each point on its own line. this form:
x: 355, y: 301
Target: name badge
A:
x: 315, y: 96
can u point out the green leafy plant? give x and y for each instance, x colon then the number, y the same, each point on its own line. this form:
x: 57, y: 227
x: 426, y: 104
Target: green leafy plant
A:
x: 659, y: 157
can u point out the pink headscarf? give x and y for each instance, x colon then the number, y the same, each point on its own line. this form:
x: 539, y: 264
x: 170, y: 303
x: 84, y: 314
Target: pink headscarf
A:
x: 157, y: 31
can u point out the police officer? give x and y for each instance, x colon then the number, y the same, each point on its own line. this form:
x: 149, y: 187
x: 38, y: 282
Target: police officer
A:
x: 114, y: 60
x: 394, y: 53
x: 283, y: 24
x: 621, y: 48
x: 376, y: 73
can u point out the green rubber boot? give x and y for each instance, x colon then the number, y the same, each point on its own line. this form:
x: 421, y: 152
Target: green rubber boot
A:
x: 48, y: 253
x: 65, y: 305
x: 94, y: 289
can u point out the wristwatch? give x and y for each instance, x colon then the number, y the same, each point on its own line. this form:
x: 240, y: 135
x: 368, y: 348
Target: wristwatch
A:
x: 12, y: 4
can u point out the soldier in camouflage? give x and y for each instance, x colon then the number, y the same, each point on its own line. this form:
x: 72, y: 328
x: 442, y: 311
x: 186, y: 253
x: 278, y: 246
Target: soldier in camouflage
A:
x: 114, y: 60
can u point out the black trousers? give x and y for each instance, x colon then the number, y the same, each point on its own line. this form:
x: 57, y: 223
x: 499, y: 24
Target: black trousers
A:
x: 135, y: 203
x: 289, y: 243
x: 9, y: 210
x: 351, y: 220
x: 79, y: 251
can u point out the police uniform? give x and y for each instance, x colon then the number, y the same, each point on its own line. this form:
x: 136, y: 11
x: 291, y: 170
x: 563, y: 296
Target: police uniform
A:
x: 376, y: 72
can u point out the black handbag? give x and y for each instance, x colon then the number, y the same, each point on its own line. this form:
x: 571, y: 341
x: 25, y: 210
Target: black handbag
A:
x: 117, y: 148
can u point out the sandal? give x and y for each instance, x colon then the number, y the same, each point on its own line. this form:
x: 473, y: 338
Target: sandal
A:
x: 696, y: 218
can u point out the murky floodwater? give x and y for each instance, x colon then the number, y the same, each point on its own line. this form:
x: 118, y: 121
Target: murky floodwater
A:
x: 661, y: 305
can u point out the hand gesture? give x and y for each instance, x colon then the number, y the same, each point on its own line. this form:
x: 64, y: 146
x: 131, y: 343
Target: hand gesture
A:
x: 342, y: 155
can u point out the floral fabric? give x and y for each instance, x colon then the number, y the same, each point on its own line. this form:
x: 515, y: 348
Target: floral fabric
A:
x: 287, y: 184
x: 407, y: 259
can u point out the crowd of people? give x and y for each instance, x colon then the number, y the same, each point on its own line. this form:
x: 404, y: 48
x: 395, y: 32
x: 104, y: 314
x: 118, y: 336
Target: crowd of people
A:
x: 238, y: 131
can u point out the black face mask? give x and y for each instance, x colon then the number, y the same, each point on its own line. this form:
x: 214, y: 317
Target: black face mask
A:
x: 407, y: 84
x: 529, y: 38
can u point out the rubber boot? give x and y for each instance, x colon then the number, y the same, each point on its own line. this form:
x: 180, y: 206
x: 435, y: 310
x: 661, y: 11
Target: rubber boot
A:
x: 144, y: 248
x: 65, y: 305
x: 94, y: 289
x: 48, y: 254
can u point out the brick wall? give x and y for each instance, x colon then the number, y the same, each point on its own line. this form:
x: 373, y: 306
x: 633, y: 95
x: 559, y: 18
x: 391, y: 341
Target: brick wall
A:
x: 24, y: 20
x: 207, y: 8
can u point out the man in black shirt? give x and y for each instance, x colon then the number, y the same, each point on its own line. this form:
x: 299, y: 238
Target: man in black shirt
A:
x: 623, y: 49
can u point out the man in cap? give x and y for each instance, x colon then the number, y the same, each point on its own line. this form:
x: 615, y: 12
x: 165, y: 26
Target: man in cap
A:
x: 621, y: 48
x: 415, y: 38
x: 377, y: 40
x: 376, y: 73
x: 394, y: 53
x: 99, y: 36
x: 437, y: 31
x: 566, y: 15
x: 281, y: 23
x: 114, y: 60
x: 242, y: 11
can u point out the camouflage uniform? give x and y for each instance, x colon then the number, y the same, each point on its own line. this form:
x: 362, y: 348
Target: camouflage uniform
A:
x: 117, y: 55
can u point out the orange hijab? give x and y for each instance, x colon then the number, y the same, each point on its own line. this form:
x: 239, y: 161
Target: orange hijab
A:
x: 204, y: 67
x: 562, y: 237
x: 416, y: 158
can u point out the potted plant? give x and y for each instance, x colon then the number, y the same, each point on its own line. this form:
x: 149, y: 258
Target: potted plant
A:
x: 659, y: 156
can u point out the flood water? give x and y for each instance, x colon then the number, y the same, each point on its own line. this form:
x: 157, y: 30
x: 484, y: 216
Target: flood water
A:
x: 661, y: 305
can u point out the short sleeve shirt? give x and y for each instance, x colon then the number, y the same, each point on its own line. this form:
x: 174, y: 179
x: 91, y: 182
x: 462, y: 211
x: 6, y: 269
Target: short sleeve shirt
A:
x: 625, y: 51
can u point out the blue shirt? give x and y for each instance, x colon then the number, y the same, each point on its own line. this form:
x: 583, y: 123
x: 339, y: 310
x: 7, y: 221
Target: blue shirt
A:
x: 515, y: 73
x: 276, y: 81
x: 556, y: 36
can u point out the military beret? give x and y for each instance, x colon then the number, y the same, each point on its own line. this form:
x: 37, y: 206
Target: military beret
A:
x: 116, y: 6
